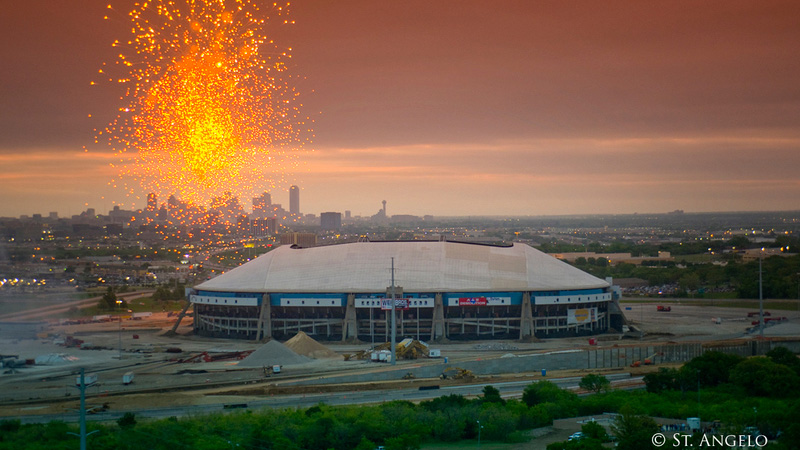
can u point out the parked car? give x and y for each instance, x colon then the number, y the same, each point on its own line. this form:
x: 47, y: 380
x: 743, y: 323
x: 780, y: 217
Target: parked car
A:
x: 577, y: 436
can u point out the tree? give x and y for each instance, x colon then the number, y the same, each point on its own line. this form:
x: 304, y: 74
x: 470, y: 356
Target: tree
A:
x: 663, y: 380
x: 594, y: 383
x: 689, y: 281
x: 782, y: 355
x: 760, y: 376
x: 109, y: 300
x: 128, y: 420
x: 492, y: 395
x: 551, y: 400
x: 580, y: 444
x: 365, y: 444
x: 593, y: 430
x: 634, y: 431
x: 713, y: 368
x: 543, y: 392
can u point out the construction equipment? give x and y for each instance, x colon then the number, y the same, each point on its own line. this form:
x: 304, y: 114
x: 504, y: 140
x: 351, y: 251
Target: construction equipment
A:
x: 412, y: 349
x: 363, y: 354
x: 97, y: 409
x: 456, y: 373
x: 181, y: 315
x: 649, y: 360
x: 273, y: 369
x: 405, y: 349
x: 211, y: 357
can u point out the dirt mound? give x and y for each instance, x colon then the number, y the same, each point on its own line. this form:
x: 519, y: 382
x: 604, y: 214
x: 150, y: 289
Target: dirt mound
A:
x: 304, y: 344
x: 272, y: 353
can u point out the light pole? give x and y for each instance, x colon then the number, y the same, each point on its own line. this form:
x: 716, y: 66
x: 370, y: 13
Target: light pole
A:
x: 82, y: 387
x: 119, y: 328
x: 760, y: 296
x: 479, y: 433
x: 394, y: 345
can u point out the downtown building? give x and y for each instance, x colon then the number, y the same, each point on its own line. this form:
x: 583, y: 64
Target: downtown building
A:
x: 449, y: 290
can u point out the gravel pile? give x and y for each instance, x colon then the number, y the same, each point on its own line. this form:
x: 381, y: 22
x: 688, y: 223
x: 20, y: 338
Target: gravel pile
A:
x: 304, y: 344
x: 272, y: 353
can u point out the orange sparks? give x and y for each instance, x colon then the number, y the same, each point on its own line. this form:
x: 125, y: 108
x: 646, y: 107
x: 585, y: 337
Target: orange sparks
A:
x: 207, y: 110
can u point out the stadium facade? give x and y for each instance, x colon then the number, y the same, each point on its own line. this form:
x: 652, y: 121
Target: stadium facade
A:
x: 449, y: 290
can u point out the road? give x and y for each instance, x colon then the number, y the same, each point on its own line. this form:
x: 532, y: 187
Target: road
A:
x: 50, y: 311
x: 512, y: 389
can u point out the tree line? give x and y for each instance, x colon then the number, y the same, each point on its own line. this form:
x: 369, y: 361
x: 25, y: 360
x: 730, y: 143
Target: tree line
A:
x: 739, y: 392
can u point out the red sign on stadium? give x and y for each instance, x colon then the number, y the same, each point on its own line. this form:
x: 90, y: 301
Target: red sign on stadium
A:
x: 399, y: 303
x: 472, y: 301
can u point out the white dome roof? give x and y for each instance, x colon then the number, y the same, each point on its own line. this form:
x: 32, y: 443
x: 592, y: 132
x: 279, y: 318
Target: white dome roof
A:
x: 420, y: 266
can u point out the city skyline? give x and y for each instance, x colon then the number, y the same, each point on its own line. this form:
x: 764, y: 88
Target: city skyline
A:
x: 456, y: 109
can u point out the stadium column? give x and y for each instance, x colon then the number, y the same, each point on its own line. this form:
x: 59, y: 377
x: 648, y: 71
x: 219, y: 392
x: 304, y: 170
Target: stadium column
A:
x: 526, y: 321
x: 264, y: 319
x: 350, y: 326
x: 437, y: 327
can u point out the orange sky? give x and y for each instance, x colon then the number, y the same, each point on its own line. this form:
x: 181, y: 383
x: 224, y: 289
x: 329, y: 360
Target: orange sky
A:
x: 460, y: 107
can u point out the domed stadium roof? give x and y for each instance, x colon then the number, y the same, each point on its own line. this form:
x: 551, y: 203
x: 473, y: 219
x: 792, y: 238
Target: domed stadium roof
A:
x: 420, y: 266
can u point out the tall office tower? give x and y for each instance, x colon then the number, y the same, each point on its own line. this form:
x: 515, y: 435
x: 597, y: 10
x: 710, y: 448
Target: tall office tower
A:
x: 152, y: 202
x: 331, y: 221
x: 261, y: 204
x: 294, y: 200
x: 384, y: 208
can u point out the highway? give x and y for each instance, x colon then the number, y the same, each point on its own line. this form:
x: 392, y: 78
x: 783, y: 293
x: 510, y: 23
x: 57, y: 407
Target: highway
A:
x: 512, y: 389
x: 61, y: 308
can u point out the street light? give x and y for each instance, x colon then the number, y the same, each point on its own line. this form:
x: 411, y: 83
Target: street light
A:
x: 479, y: 433
x: 760, y: 296
x: 119, y: 328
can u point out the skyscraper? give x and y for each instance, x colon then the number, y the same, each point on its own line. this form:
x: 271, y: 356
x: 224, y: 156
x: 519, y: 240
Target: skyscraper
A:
x: 331, y: 221
x: 294, y: 200
x: 262, y: 204
x: 152, y: 202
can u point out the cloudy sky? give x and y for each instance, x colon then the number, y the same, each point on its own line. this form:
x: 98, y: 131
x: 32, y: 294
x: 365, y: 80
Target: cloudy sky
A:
x: 458, y: 107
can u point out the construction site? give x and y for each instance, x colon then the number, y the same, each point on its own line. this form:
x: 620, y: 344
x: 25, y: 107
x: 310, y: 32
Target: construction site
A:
x: 126, y: 361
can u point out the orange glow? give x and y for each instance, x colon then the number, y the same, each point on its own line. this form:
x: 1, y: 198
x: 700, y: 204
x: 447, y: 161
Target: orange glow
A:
x: 206, y: 109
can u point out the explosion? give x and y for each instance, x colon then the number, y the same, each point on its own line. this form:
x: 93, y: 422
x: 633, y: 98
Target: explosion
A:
x: 208, y: 106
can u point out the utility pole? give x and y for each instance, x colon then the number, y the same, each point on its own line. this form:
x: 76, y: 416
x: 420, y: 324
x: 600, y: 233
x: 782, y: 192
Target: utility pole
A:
x: 83, y: 435
x: 394, y: 346
x: 119, y: 328
x: 760, y: 297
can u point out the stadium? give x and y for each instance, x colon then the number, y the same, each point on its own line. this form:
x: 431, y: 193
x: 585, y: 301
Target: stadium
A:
x: 443, y: 290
